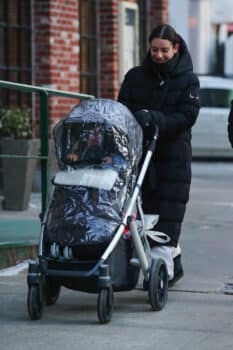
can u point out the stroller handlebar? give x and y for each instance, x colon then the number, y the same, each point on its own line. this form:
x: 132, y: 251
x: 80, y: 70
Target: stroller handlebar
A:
x: 152, y: 142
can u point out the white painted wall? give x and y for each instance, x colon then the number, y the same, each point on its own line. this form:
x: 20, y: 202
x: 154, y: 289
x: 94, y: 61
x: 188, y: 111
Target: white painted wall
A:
x: 228, y: 64
x: 221, y: 11
x: 195, y: 21
x: 178, y: 17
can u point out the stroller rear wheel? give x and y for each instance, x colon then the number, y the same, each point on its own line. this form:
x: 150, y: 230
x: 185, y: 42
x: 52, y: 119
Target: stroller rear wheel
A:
x: 35, y: 302
x: 105, y: 304
x: 158, y: 284
x: 52, y: 291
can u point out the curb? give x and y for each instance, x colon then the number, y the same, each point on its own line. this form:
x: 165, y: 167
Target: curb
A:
x: 13, y: 253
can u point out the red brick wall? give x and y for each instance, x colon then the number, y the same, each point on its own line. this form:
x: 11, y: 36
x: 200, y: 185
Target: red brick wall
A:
x: 109, y: 48
x: 109, y: 40
x: 56, y: 50
x: 158, y: 12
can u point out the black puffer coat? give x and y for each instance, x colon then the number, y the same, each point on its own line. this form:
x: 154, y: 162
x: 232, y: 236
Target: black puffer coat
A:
x: 173, y: 101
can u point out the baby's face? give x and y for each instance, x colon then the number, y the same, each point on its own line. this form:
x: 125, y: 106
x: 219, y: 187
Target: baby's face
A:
x: 107, y: 159
x: 73, y: 157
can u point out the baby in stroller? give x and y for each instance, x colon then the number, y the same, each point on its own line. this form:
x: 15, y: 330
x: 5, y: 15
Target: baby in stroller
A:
x: 94, y: 222
x: 89, y: 148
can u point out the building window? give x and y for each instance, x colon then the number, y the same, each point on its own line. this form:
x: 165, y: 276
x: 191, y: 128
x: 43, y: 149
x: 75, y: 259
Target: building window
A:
x: 15, y: 49
x: 129, y: 37
x: 88, y: 47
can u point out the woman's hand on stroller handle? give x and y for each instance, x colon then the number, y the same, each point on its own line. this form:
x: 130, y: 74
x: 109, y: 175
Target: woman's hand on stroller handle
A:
x: 144, y: 118
x: 148, y: 124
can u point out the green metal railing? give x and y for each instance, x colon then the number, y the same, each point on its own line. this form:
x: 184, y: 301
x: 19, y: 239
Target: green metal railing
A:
x: 44, y: 125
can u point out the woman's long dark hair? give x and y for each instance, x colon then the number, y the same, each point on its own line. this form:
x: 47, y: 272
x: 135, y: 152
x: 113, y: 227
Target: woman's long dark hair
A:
x: 165, y: 31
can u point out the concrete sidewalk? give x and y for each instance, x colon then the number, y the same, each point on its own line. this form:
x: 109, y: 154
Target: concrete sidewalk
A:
x: 197, y: 316
x: 19, y: 233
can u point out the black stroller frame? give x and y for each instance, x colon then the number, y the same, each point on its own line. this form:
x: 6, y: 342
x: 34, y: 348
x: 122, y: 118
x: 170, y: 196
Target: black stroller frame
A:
x: 154, y: 270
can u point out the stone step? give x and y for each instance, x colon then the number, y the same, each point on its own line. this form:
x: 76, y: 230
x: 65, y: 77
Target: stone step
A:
x: 18, y: 241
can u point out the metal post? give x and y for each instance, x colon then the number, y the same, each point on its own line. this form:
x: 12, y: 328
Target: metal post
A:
x: 44, y: 117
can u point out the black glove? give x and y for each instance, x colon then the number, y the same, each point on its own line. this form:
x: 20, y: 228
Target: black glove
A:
x: 144, y: 118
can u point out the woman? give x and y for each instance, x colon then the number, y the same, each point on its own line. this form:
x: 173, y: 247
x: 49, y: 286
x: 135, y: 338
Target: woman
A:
x: 164, y: 90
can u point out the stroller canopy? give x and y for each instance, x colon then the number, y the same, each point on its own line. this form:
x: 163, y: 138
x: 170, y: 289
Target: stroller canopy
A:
x: 96, y: 128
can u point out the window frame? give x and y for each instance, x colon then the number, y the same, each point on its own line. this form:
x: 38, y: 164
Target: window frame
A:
x: 123, y: 39
x: 89, y: 69
x: 12, y: 67
x: 214, y: 97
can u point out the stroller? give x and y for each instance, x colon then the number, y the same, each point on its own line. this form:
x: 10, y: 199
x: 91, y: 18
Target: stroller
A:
x: 94, y: 232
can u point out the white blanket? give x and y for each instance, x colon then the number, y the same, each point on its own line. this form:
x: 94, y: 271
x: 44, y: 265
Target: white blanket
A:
x: 96, y: 178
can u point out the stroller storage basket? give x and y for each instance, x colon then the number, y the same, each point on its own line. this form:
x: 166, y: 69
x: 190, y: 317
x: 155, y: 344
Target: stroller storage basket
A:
x: 75, y: 274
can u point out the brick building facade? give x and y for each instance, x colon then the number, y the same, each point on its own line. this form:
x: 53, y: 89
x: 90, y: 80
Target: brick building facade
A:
x: 73, y: 45
x: 56, y: 49
x: 70, y: 45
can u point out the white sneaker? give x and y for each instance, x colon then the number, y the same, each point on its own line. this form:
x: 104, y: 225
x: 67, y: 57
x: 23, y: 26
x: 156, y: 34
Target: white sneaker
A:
x: 176, y: 251
x: 165, y: 253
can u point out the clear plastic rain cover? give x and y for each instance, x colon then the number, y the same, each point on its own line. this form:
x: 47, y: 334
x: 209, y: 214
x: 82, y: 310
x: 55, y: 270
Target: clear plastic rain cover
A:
x: 98, y: 148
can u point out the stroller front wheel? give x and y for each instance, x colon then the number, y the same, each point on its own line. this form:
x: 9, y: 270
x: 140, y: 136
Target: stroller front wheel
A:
x: 105, y: 304
x: 158, y: 284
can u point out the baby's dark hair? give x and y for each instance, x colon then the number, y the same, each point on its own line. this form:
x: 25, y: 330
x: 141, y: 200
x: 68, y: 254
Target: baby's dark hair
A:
x: 165, y: 31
